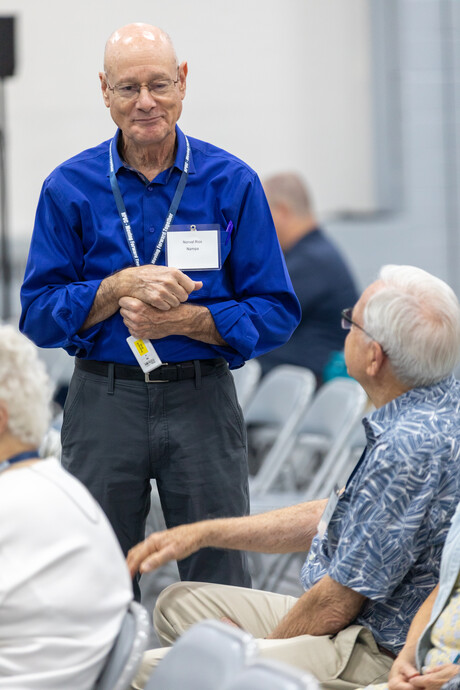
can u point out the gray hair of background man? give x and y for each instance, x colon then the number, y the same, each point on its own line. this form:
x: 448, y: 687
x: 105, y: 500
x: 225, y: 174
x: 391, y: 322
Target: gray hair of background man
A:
x: 288, y: 188
x: 415, y: 317
x: 25, y: 387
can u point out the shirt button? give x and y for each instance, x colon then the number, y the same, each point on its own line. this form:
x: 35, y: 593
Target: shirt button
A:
x: 152, y: 229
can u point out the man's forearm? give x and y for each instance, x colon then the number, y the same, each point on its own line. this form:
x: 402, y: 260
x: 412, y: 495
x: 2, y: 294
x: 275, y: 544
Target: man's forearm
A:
x: 105, y: 303
x: 325, y: 609
x: 287, y: 530
x: 200, y: 325
x: 280, y: 531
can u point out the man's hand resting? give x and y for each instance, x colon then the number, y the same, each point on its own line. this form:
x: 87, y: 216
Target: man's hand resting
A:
x: 160, y: 547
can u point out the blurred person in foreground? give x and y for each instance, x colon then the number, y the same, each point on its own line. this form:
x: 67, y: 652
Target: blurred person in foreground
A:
x: 320, y: 276
x: 375, y: 547
x: 64, y: 585
x: 157, y: 247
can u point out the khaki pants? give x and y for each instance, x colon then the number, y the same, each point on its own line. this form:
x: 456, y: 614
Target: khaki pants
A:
x: 344, y: 661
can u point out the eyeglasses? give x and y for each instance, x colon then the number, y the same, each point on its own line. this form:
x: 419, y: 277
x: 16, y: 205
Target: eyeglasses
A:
x: 347, y: 322
x: 156, y: 88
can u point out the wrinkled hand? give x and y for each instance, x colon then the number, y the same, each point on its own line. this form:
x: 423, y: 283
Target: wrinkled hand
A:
x: 435, y: 677
x: 162, y: 287
x: 160, y: 547
x: 144, y: 321
x: 401, y: 675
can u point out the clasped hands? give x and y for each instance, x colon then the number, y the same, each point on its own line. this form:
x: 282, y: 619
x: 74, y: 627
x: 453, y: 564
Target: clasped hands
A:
x: 155, y: 301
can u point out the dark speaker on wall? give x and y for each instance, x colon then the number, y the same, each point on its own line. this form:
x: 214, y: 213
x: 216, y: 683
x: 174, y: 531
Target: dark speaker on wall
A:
x: 6, y: 46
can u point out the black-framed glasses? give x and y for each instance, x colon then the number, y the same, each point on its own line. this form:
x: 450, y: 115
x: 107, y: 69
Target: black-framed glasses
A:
x: 156, y: 88
x: 347, y: 322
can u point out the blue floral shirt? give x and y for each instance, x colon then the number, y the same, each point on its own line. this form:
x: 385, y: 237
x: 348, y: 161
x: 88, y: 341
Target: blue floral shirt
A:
x: 387, y: 532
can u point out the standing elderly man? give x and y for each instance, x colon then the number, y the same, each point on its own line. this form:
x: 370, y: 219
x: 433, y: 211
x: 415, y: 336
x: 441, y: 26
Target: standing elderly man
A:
x: 374, y: 554
x: 170, y: 240
x: 321, y: 278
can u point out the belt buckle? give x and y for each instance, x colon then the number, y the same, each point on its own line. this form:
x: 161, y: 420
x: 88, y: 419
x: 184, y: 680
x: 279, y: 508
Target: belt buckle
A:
x: 149, y: 380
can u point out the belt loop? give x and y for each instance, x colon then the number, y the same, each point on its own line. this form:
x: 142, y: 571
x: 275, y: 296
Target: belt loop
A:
x: 196, y: 364
x: 110, y: 378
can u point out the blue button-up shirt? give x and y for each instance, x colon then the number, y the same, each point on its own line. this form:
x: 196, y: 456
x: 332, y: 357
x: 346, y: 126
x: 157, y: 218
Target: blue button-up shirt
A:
x: 386, y: 535
x: 78, y: 240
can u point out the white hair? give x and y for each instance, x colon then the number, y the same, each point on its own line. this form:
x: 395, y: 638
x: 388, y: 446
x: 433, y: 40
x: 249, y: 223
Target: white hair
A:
x: 25, y: 387
x: 415, y: 317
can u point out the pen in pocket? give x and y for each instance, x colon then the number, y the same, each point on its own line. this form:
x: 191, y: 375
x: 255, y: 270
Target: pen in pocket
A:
x: 228, y: 231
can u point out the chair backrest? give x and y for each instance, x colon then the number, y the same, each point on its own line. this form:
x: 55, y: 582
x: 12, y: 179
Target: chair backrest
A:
x: 283, y: 392
x: 205, y: 657
x: 280, y: 401
x: 335, y: 410
x: 267, y: 674
x: 246, y: 380
x: 331, y: 408
x: 126, y: 655
x: 324, y: 425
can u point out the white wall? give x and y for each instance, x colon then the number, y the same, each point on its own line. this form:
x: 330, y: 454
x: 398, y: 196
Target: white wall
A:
x: 284, y: 84
x: 424, y: 229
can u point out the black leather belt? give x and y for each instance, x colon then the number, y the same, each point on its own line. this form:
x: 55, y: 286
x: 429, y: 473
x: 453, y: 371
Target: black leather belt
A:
x: 178, y: 371
x: 386, y: 651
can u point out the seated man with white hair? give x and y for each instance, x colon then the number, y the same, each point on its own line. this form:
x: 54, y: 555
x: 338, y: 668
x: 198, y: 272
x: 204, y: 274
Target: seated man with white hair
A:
x: 64, y: 584
x: 375, y: 547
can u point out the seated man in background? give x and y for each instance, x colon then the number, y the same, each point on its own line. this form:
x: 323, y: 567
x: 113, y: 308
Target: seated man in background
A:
x: 375, y: 549
x: 321, y: 279
x: 64, y: 585
x: 431, y: 654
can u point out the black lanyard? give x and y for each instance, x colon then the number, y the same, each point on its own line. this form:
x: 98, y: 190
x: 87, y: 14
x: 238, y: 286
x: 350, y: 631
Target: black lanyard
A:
x: 169, y: 218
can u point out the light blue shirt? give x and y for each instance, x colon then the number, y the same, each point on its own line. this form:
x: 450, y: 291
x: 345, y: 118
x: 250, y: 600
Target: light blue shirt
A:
x: 386, y: 535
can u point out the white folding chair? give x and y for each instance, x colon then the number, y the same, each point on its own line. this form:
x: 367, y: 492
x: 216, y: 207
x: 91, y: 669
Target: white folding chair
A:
x: 126, y: 655
x: 275, y: 409
x: 206, y: 657
x: 267, y: 674
x: 246, y: 380
x: 313, y: 448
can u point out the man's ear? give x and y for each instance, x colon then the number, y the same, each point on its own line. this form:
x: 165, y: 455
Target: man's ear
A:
x: 104, y: 89
x: 183, y: 71
x: 375, y: 359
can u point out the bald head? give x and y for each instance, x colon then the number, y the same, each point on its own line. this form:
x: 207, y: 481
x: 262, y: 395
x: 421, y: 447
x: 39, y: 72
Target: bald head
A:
x: 290, y: 206
x: 139, y: 42
x: 288, y: 188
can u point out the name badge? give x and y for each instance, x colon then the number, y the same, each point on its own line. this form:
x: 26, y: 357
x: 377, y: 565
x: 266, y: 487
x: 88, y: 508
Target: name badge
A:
x: 146, y: 355
x: 328, y: 511
x: 195, y: 248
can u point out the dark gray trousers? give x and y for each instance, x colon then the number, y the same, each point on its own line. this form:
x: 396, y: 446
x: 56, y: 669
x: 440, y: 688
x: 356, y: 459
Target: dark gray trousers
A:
x: 188, y: 435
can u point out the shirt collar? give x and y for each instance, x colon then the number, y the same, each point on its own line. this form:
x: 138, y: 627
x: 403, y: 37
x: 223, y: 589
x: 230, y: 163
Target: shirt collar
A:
x: 178, y: 162
x: 376, y: 423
